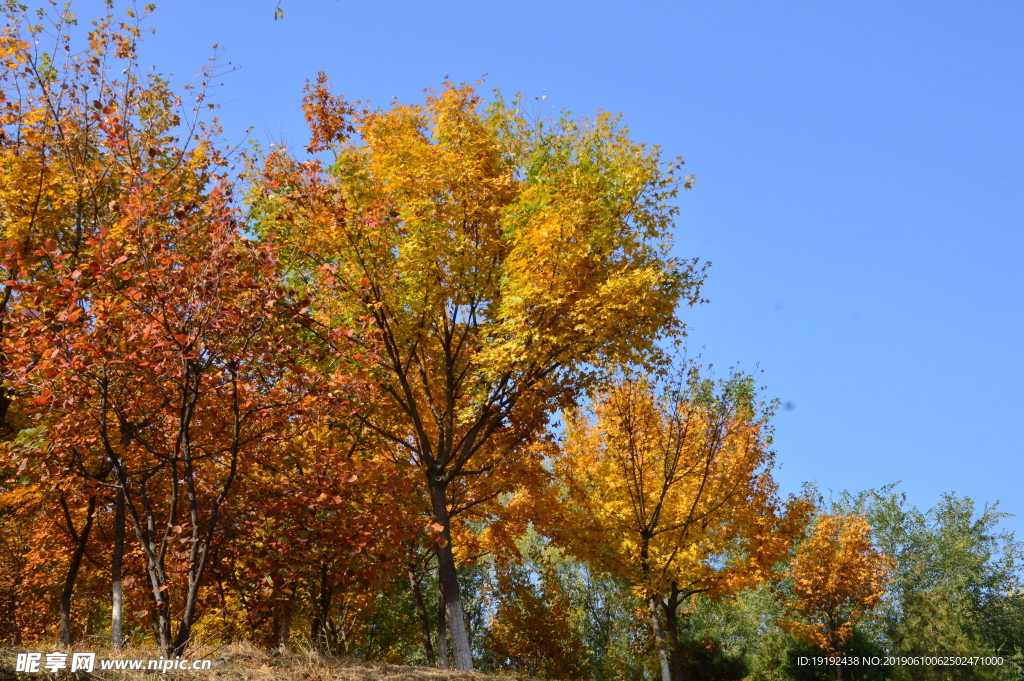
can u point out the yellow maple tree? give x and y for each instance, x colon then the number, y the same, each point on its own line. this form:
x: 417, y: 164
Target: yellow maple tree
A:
x: 838, y: 576
x: 503, y: 264
x: 672, y: 491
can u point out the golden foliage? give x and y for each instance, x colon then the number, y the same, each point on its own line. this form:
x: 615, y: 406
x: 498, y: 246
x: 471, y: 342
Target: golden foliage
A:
x: 674, y: 490
x: 838, y: 576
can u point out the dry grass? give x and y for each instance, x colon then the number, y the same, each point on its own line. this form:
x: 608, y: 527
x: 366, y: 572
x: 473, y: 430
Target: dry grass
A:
x: 247, y: 663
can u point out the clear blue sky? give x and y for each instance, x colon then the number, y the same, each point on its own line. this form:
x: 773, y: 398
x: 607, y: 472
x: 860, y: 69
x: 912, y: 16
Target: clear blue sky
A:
x: 859, y: 169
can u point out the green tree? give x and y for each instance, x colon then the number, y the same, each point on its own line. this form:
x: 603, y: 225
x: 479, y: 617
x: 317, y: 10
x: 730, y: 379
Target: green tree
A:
x: 956, y: 588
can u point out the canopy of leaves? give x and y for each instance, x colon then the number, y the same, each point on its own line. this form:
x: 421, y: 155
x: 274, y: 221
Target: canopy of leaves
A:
x: 674, y: 488
x: 957, y: 582
x: 503, y: 262
x: 838, y: 577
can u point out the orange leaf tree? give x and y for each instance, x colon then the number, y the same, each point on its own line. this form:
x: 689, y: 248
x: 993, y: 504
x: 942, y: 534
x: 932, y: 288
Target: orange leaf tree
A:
x: 323, y: 514
x: 80, y: 133
x: 164, y: 363
x: 672, y: 491
x: 838, y: 576
x: 79, y: 128
x: 534, y: 627
x: 504, y: 265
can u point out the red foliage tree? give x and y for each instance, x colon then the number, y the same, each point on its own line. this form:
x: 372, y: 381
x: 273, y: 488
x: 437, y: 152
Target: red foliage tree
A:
x: 166, y: 363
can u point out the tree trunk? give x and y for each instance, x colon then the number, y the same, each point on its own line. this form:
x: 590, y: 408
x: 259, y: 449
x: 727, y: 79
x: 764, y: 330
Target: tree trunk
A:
x: 672, y: 624
x: 284, y: 632
x: 64, y: 638
x: 162, y: 626
x: 659, y: 637
x: 837, y: 647
x: 447, y: 575
x: 284, y: 628
x: 142, y: 522
x: 442, y: 629
x: 116, y: 584
x: 318, y: 629
x: 421, y: 610
x: 5, y: 404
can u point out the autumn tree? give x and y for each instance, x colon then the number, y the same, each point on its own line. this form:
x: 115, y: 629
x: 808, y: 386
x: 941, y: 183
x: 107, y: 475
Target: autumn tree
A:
x: 323, y: 515
x: 504, y: 264
x: 838, y: 576
x: 536, y: 617
x: 79, y: 125
x: 81, y: 128
x: 56, y: 554
x: 166, y: 362
x: 669, y: 487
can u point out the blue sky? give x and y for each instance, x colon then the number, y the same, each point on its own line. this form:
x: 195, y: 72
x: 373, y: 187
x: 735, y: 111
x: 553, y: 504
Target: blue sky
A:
x: 859, y: 170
